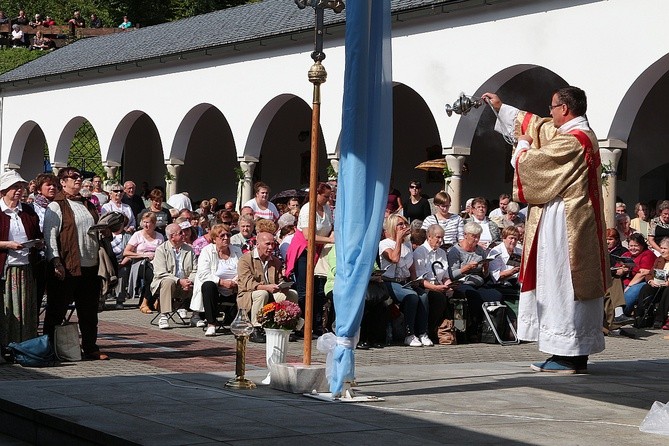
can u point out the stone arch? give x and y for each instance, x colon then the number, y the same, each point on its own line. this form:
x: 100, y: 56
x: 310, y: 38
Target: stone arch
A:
x: 281, y: 139
x: 27, y: 150
x: 204, y: 142
x: 64, y: 143
x: 640, y: 122
x: 636, y: 95
x: 136, y: 145
x: 488, y: 172
x: 415, y: 139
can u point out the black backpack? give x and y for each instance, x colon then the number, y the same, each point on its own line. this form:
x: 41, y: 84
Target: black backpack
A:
x: 646, y: 308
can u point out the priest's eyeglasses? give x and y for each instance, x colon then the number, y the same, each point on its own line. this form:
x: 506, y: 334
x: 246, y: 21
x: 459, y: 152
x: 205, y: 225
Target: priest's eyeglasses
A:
x: 551, y: 107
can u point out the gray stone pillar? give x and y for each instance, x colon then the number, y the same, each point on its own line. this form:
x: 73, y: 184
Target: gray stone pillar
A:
x: 610, y: 151
x: 455, y: 160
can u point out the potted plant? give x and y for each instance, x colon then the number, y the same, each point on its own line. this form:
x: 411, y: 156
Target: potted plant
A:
x: 278, y: 319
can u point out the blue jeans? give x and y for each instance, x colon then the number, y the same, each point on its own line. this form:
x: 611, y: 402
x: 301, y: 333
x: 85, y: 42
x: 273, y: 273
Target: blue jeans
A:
x: 631, y: 296
x: 415, y: 305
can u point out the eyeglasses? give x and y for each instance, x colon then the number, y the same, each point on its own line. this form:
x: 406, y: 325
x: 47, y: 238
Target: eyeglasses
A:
x: 551, y: 107
x: 224, y: 235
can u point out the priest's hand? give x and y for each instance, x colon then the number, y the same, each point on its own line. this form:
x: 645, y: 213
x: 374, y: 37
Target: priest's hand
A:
x: 492, y: 99
x: 527, y: 138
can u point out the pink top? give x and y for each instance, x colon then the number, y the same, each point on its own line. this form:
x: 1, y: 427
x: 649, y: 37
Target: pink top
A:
x: 142, y: 245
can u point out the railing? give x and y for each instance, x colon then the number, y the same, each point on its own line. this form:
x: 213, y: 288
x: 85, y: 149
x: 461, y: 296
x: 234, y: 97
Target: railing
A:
x: 62, y: 31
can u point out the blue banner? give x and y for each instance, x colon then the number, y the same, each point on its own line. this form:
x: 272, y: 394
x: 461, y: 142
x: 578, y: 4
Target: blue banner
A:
x: 366, y: 152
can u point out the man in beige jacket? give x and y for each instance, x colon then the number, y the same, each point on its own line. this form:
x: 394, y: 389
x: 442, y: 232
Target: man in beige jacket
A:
x: 259, y: 276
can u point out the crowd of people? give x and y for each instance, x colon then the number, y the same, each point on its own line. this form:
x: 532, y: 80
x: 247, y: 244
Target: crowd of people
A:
x: 17, y: 38
x: 187, y: 264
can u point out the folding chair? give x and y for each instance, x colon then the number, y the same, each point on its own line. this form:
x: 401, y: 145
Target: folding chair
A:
x: 497, y: 319
x: 181, y: 304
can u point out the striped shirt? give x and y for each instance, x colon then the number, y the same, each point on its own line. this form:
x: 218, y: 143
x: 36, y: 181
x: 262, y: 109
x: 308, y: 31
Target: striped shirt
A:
x: 453, y: 227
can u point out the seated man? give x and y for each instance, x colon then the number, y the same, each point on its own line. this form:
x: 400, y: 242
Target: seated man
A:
x: 427, y: 258
x: 174, y: 270
x: 258, y: 278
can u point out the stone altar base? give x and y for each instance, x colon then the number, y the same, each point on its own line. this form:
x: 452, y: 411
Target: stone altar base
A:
x: 299, y: 378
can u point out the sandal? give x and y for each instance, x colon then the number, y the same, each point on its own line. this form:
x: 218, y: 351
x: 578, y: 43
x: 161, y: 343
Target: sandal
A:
x: 145, y: 309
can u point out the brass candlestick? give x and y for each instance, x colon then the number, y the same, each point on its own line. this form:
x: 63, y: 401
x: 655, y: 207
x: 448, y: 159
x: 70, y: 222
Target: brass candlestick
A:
x: 241, y: 327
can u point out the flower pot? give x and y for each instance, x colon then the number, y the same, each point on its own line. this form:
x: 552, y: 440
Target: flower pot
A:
x: 275, y: 348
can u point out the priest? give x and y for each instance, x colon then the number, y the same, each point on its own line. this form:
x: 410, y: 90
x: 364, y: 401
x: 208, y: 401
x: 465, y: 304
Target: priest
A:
x: 565, y: 270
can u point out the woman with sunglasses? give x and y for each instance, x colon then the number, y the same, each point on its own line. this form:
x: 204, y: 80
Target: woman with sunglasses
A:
x: 397, y: 262
x: 73, y: 254
x: 116, y: 205
x: 216, y: 276
x: 417, y: 207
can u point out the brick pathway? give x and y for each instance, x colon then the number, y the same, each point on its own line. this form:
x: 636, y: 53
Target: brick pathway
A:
x: 138, y: 348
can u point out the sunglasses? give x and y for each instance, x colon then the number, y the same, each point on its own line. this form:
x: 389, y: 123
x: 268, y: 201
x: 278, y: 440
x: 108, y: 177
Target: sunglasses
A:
x: 117, y: 191
x: 74, y: 176
x: 226, y: 235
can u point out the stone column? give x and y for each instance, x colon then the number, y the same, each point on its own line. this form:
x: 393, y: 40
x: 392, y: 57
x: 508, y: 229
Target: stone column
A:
x: 610, y: 151
x: 455, y: 160
x: 245, y: 189
x: 172, y: 178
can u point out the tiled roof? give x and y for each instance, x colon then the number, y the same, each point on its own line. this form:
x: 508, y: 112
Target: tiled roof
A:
x: 268, y: 18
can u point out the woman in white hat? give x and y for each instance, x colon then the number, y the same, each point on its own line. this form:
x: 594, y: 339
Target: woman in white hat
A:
x: 19, y: 228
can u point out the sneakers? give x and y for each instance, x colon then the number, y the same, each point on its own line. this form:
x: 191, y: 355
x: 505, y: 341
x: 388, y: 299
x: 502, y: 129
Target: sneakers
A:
x: 623, y: 320
x: 183, y: 314
x: 412, y: 341
x: 163, y: 323
x: 211, y: 331
x: 196, y: 320
x: 425, y: 340
x: 560, y: 366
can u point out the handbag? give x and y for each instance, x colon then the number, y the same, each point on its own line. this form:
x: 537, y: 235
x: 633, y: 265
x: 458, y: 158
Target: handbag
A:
x: 446, y: 333
x: 66, y: 342
x: 36, y: 352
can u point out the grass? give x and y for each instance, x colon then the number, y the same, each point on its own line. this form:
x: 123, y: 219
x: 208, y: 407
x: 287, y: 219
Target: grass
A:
x: 11, y: 58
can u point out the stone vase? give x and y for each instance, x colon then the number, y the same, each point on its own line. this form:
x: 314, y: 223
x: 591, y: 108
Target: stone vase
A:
x: 276, y: 347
